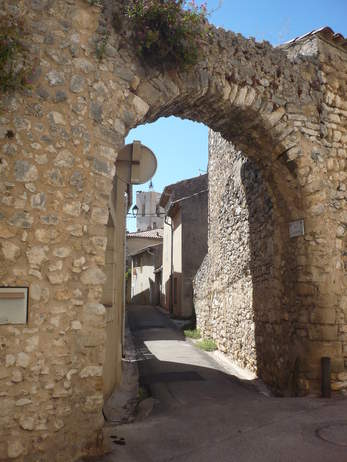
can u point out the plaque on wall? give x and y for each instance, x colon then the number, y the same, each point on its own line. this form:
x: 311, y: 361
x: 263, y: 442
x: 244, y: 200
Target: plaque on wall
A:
x: 296, y: 228
x: 13, y: 305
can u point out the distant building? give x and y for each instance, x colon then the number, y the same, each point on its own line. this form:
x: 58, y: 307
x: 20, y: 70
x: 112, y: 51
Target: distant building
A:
x: 149, y: 214
x: 185, y: 242
x: 140, y: 240
x: 136, y: 242
x: 146, y: 275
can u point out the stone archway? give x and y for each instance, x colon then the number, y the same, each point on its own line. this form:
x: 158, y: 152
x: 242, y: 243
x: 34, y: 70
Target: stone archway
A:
x: 251, y: 131
x: 59, y: 143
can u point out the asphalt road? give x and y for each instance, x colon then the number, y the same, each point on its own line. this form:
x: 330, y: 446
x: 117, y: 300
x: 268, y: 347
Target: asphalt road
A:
x: 203, y: 414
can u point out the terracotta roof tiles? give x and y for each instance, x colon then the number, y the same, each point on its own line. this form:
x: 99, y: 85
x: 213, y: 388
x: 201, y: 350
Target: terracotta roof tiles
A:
x: 151, y: 233
x: 324, y: 32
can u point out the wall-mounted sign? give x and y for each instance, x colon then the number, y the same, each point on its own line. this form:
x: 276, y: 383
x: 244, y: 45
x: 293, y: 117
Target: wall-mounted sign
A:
x: 296, y: 228
x: 13, y: 305
x: 136, y: 164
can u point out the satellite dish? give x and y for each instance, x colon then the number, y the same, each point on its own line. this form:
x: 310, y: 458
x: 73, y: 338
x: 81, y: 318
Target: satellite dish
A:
x: 136, y: 164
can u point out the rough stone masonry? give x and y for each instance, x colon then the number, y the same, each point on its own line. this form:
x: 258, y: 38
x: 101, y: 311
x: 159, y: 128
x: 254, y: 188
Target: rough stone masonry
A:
x: 252, y: 294
x: 285, y: 109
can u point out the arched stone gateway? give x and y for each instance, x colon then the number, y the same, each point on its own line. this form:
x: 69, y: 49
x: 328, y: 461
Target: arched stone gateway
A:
x: 285, y: 109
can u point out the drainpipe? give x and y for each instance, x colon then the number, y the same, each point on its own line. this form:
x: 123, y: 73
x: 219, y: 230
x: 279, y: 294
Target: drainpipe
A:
x: 171, y: 269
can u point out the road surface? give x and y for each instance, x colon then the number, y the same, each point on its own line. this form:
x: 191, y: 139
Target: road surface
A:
x: 203, y: 414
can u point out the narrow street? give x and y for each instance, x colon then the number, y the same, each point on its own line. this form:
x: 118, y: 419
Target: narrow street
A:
x: 201, y: 413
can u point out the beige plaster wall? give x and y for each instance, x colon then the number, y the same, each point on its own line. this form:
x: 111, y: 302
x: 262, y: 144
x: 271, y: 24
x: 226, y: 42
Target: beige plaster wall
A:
x: 166, y: 287
x: 172, y: 261
x: 141, y: 278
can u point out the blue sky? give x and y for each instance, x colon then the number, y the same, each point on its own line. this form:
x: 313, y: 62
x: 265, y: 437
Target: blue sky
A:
x: 181, y: 145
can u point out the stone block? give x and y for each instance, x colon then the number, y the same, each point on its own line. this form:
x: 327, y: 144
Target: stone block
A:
x: 305, y: 289
x: 15, y: 448
x: 10, y: 251
x: 316, y: 350
x: 322, y: 332
x: 323, y: 316
x: 77, y: 83
x: 338, y: 386
x: 93, y: 276
x: 337, y: 365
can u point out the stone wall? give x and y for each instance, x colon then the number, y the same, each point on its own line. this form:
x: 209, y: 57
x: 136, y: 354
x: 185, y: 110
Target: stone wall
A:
x: 59, y: 141
x: 113, y: 289
x: 254, y: 294
x: 58, y: 150
x: 239, y: 291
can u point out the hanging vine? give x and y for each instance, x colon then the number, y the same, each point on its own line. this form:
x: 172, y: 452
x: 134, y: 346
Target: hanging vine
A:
x: 15, y: 61
x: 168, y: 32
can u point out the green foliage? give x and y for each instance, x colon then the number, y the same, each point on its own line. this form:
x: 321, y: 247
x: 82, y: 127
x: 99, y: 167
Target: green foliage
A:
x: 94, y: 2
x: 15, y: 69
x: 143, y: 394
x: 128, y: 274
x: 192, y: 333
x: 207, y: 345
x: 101, y: 45
x: 168, y: 32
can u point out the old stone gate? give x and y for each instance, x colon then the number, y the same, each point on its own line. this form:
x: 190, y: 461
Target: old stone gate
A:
x: 283, y: 108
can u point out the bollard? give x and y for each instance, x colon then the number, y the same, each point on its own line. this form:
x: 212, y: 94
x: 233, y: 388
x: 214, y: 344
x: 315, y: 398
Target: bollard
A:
x: 326, y: 369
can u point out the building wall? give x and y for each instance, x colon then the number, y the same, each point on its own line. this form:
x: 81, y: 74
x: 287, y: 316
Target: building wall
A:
x: 113, y: 290
x: 183, y: 188
x: 244, y: 298
x: 172, y: 263
x: 237, y: 293
x: 147, y: 203
x: 166, y: 287
x: 177, y: 264
x: 186, y: 203
x: 108, y: 290
x: 137, y: 243
x: 142, y: 274
x: 194, y: 246
x: 144, y: 290
x: 254, y: 293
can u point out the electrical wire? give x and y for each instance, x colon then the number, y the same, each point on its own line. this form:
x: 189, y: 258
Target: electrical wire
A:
x: 146, y: 215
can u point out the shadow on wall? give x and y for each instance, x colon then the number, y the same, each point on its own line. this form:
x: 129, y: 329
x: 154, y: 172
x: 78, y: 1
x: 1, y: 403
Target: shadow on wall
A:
x: 150, y: 296
x: 272, y: 268
x: 174, y: 296
x: 141, y: 298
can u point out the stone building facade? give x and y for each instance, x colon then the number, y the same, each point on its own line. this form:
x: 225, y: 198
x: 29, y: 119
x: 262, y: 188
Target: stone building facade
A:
x: 184, y: 244
x: 146, y: 275
x: 239, y: 289
x: 150, y: 215
x: 139, y: 240
x: 284, y: 108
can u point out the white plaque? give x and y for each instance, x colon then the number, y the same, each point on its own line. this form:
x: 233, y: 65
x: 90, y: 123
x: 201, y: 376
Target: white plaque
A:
x: 296, y: 228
